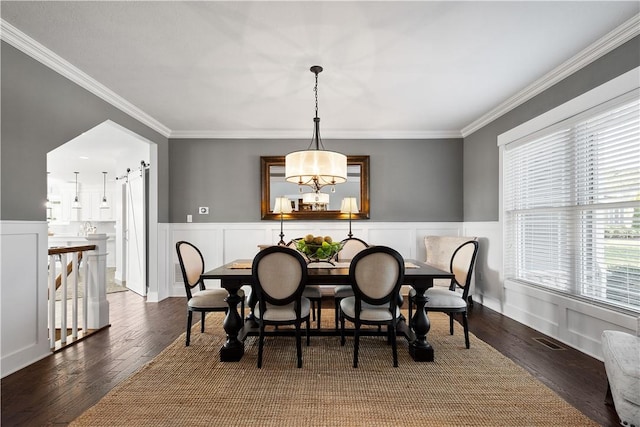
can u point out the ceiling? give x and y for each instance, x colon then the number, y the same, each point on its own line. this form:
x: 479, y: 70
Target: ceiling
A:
x: 241, y: 69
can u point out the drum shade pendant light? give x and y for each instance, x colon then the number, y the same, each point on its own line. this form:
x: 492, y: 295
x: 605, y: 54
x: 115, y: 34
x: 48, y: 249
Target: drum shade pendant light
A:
x: 76, y: 204
x: 315, y: 167
x: 104, y: 204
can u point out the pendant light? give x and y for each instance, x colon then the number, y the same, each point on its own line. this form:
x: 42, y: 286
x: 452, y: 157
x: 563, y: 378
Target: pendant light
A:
x: 76, y: 203
x: 316, y: 167
x: 104, y: 204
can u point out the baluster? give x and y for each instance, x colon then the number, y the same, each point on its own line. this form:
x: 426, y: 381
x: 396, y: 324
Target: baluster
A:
x: 74, y: 306
x: 52, y: 301
x: 63, y: 302
x: 85, y: 288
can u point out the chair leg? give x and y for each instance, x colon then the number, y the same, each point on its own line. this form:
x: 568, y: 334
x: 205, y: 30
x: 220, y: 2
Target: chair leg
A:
x: 450, y: 323
x: 336, y: 305
x: 189, y: 317
x: 342, y: 339
x: 356, y: 344
x: 308, y: 333
x: 394, y: 345
x: 313, y: 309
x: 202, y: 315
x: 319, y: 314
x: 465, y: 325
x: 260, y: 345
x: 299, y: 342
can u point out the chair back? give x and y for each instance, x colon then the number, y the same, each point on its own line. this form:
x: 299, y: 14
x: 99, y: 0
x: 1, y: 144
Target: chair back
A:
x: 350, y: 248
x: 293, y: 243
x: 191, y: 265
x: 376, y: 274
x: 439, y: 252
x: 279, y: 276
x: 462, y: 262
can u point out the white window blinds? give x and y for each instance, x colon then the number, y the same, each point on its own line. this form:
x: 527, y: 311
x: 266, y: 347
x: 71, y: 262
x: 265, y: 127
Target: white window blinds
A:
x: 571, y: 201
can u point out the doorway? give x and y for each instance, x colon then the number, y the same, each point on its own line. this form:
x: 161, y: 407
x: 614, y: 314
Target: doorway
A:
x: 113, y: 149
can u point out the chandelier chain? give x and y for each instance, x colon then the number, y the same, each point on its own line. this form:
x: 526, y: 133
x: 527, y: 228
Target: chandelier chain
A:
x: 315, y: 89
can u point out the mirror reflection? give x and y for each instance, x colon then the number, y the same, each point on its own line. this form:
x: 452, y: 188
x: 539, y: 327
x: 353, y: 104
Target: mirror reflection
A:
x: 307, y: 204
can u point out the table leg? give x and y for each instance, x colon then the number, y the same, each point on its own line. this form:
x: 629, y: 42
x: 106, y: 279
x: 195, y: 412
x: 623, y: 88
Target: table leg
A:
x: 420, y: 349
x: 233, y: 349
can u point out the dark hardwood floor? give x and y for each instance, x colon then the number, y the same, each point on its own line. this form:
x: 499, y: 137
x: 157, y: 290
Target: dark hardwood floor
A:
x: 60, y: 387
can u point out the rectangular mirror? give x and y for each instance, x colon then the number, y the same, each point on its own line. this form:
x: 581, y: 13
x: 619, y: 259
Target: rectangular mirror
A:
x: 274, y: 185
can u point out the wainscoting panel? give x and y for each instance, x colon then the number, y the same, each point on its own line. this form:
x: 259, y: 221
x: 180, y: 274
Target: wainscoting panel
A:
x: 577, y: 323
x: 223, y: 242
x: 539, y: 310
x: 242, y: 243
x: 23, y: 307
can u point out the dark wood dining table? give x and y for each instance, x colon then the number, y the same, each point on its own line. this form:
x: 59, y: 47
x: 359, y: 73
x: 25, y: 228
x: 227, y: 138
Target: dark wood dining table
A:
x: 236, y: 274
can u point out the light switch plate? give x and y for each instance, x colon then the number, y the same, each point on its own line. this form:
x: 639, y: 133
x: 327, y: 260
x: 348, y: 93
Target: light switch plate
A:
x: 203, y: 210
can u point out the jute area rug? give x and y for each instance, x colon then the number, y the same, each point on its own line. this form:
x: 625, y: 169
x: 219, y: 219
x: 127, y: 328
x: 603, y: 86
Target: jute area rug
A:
x: 187, y: 386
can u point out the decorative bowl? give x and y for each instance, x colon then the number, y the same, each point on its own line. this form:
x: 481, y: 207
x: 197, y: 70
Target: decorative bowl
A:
x: 318, y: 248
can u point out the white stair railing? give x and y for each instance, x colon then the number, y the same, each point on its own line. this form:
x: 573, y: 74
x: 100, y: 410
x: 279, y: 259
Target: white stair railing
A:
x: 92, y: 283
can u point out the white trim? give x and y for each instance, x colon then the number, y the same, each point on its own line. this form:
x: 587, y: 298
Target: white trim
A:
x: 612, y: 40
x: 603, y: 93
x: 45, y: 56
x: 283, y: 134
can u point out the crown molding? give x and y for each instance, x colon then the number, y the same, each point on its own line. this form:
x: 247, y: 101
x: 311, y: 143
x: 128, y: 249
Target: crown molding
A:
x: 40, y: 53
x: 305, y: 135
x: 612, y: 40
x: 604, y: 45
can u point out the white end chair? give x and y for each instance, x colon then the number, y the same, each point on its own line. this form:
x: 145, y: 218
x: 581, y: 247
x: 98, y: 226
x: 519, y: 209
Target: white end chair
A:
x: 621, y: 352
x: 439, y: 250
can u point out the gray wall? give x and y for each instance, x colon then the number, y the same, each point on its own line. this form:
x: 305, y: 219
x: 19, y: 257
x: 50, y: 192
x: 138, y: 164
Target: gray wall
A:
x: 481, y: 150
x: 410, y: 180
x: 42, y: 110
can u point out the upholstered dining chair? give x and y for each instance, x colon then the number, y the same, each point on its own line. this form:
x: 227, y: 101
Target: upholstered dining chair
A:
x: 350, y: 247
x: 313, y: 292
x: 376, y: 274
x: 447, y: 300
x: 279, y: 276
x: 439, y: 250
x: 202, y: 300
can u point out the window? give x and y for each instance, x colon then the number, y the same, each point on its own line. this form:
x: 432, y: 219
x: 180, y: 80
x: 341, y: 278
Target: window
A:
x: 571, y: 202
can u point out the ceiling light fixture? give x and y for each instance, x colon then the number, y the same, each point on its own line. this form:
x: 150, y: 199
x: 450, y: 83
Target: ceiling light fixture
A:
x: 76, y: 204
x: 104, y: 204
x: 316, y: 167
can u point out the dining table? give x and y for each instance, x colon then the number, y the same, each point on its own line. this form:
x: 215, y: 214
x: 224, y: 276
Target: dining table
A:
x: 238, y: 273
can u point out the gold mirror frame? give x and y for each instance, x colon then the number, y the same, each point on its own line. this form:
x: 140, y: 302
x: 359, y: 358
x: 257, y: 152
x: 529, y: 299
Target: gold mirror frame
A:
x: 265, y: 209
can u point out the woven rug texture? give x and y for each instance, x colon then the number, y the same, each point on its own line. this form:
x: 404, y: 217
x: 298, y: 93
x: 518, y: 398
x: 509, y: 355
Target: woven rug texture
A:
x: 189, y: 386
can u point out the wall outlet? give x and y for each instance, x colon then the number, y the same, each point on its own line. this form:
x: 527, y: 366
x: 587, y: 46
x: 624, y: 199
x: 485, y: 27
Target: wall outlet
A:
x: 189, y: 218
x: 203, y: 210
